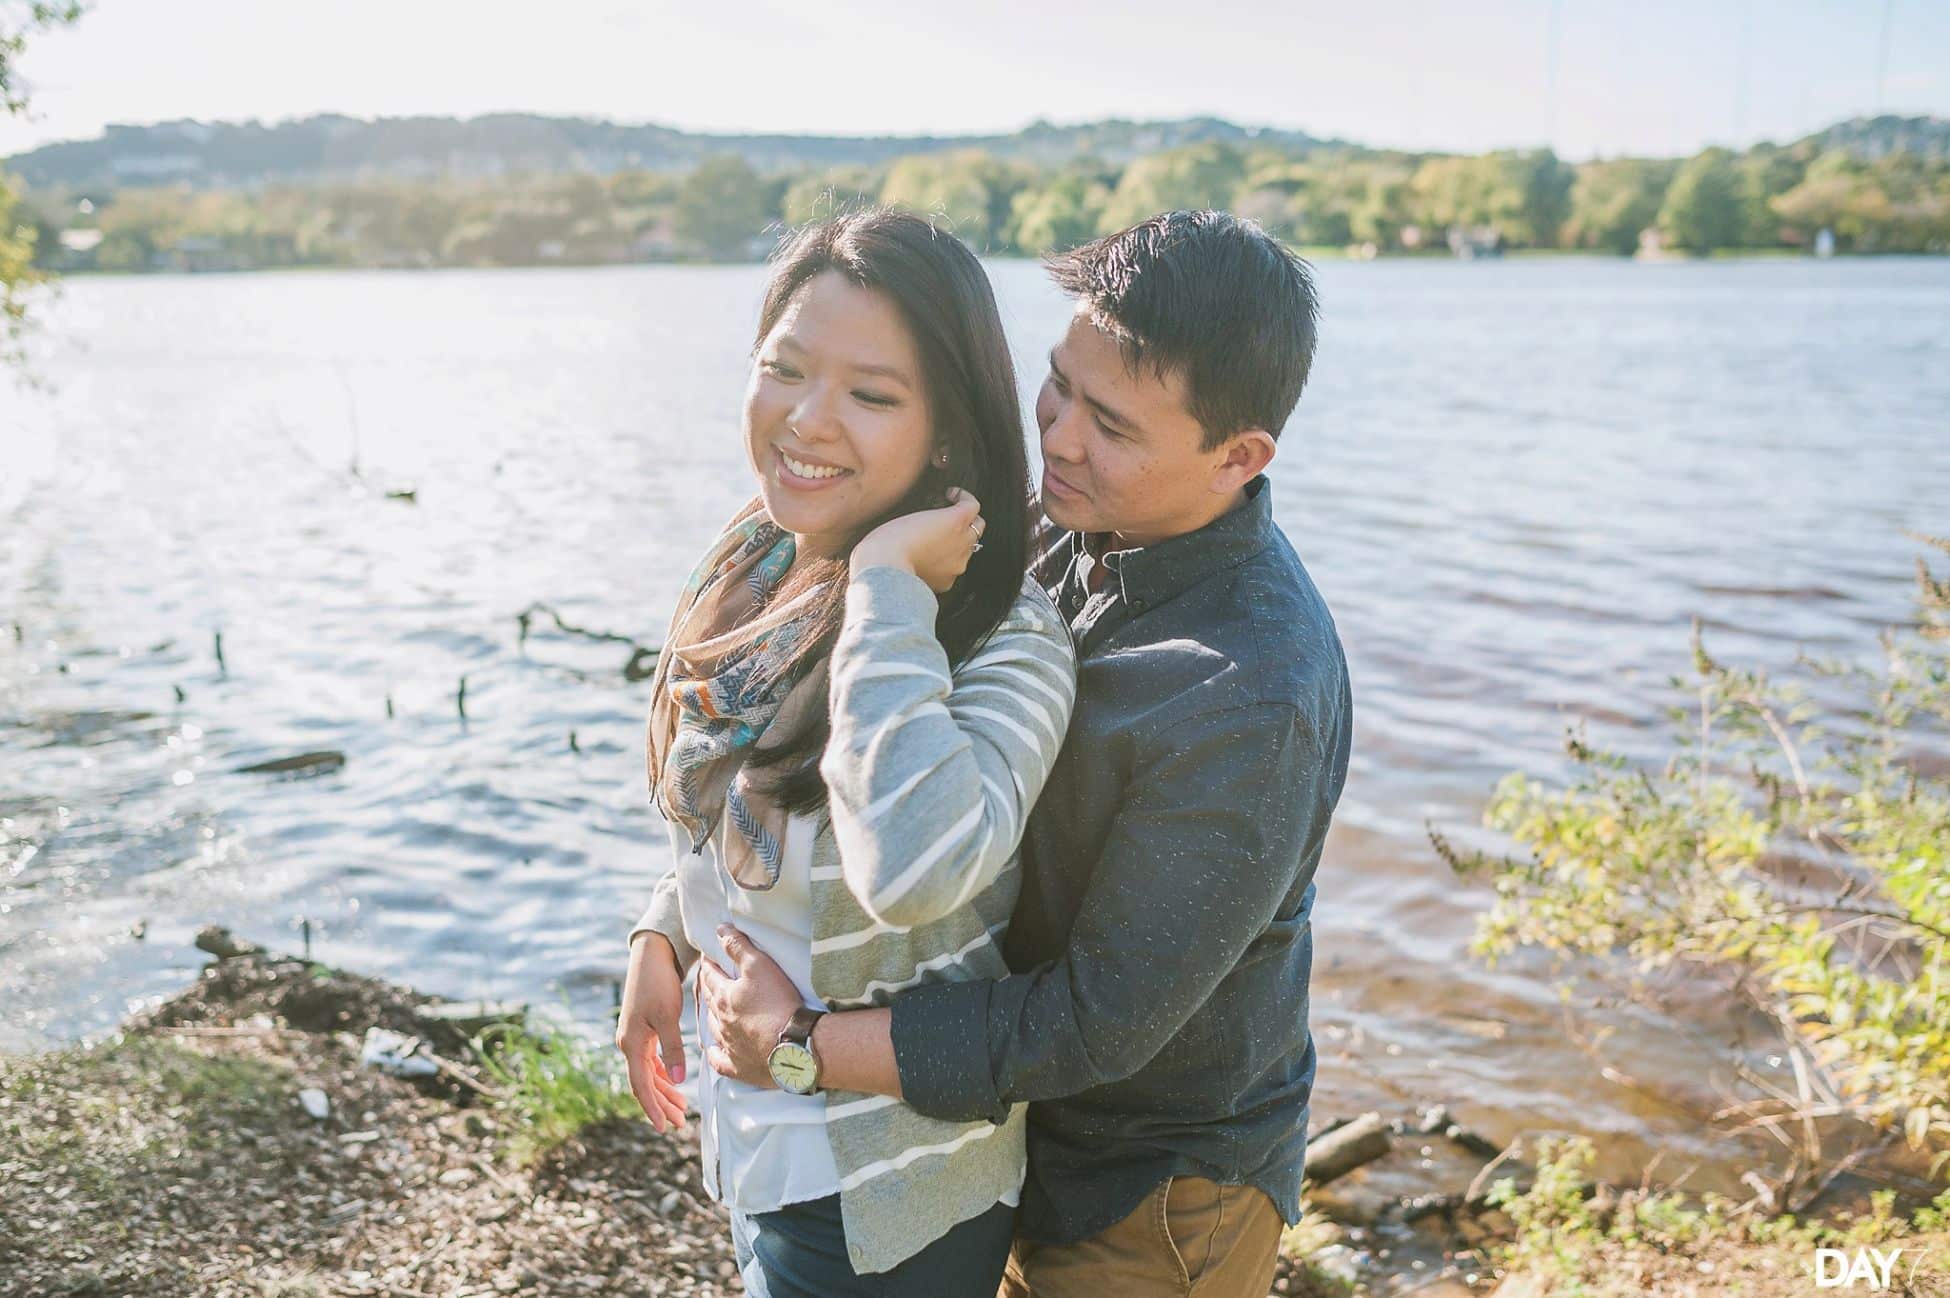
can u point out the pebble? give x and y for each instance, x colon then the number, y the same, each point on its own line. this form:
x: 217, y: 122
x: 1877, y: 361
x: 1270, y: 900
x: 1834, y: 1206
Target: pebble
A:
x: 316, y: 1103
x: 668, y: 1204
x: 458, y: 1176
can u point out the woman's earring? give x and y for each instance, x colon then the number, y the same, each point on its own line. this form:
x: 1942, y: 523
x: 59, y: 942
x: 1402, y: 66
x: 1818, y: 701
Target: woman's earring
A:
x: 941, y: 459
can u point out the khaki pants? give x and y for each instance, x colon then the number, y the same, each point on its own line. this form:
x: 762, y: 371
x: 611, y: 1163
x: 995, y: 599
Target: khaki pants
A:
x: 1189, y: 1236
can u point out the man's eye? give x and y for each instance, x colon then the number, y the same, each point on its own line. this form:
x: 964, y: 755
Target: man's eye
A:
x: 1110, y: 432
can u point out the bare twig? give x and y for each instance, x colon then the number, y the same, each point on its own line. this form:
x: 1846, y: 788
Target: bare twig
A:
x: 1480, y: 1182
x: 460, y: 1075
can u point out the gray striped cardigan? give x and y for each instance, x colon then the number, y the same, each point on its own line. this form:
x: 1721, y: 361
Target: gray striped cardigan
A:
x: 930, y: 779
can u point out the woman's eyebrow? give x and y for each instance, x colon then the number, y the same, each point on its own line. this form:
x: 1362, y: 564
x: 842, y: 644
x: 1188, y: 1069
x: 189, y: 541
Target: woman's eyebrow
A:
x: 786, y: 342
x: 893, y: 372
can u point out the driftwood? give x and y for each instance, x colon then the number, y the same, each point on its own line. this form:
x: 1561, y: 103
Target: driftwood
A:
x: 322, y: 762
x: 1353, y: 1144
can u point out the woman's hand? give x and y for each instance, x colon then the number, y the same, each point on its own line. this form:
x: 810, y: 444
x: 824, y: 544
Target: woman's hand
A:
x: 933, y: 544
x: 748, y: 1009
x: 647, y: 1032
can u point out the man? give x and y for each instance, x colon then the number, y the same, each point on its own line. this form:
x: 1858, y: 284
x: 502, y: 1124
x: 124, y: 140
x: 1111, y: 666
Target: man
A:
x: 1157, y: 1021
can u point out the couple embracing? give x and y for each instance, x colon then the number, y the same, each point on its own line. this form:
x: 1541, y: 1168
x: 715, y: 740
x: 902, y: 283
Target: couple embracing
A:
x: 994, y: 839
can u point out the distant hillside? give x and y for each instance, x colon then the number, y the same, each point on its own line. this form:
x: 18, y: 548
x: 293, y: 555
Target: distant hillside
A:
x: 220, y: 155
x: 1870, y: 138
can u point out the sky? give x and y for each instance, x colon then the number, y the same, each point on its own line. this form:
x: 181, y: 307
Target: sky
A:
x: 1587, y: 77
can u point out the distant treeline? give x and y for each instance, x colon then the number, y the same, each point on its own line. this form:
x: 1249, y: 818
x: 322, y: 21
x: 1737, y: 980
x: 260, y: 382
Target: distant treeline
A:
x: 1767, y: 197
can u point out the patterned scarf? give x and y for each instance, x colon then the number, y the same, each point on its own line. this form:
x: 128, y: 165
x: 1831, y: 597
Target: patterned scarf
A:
x: 718, y: 695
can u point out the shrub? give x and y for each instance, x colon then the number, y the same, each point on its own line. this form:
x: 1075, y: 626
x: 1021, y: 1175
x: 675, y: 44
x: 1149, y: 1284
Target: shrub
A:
x: 1802, y: 845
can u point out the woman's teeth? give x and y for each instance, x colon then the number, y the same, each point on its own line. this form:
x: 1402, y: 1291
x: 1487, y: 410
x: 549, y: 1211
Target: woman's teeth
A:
x: 800, y: 469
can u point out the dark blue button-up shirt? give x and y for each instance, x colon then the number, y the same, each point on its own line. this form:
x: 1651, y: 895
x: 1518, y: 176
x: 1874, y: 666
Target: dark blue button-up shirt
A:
x: 1157, y: 1021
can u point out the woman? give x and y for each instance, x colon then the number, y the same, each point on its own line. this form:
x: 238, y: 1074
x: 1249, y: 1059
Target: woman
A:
x: 858, y: 703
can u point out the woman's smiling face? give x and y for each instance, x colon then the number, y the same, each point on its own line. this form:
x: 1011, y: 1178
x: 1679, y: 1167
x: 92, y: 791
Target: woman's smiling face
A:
x: 837, y: 427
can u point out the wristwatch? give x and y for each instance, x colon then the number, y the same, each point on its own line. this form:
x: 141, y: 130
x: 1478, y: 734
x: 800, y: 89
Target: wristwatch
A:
x: 792, y: 1063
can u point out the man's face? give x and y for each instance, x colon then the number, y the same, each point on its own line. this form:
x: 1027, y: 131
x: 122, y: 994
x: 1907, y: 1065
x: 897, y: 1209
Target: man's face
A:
x: 1121, y: 451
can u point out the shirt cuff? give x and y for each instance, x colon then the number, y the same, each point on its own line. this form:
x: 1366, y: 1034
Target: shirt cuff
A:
x: 883, y: 594
x: 666, y: 916
x: 941, y: 1051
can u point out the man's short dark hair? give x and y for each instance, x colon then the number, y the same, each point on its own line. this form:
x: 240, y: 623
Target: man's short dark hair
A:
x: 1210, y: 297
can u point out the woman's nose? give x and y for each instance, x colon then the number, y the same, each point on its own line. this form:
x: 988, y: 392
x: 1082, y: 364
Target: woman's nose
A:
x: 813, y: 417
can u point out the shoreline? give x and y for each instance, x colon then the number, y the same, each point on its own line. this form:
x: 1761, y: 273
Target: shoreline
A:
x: 231, y: 1141
x: 1309, y: 252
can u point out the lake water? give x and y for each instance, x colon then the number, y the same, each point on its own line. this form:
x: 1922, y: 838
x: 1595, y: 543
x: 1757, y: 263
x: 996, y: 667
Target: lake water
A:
x: 1515, y: 482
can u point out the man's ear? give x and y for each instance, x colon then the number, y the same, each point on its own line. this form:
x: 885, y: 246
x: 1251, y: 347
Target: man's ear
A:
x: 1246, y: 456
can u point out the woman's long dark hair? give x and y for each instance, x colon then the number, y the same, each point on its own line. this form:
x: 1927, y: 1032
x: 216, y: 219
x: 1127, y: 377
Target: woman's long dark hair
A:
x: 943, y: 295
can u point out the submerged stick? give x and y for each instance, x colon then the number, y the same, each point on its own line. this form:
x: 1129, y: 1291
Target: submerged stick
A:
x: 643, y: 658
x: 322, y: 762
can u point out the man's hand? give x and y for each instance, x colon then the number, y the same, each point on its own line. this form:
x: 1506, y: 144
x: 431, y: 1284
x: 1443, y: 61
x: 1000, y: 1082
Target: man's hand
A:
x: 748, y: 1007
x: 933, y: 544
x: 647, y: 1033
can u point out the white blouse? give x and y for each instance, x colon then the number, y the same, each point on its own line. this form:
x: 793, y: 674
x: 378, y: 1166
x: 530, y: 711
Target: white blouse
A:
x: 762, y: 1148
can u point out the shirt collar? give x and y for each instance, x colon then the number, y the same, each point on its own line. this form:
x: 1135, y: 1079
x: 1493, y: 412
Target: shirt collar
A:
x: 1151, y: 574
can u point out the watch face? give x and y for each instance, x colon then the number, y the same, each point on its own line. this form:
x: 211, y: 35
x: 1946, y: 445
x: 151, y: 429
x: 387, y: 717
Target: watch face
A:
x: 793, y: 1068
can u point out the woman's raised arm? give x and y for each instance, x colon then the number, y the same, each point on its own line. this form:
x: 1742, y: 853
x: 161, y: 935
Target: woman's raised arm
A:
x: 930, y: 778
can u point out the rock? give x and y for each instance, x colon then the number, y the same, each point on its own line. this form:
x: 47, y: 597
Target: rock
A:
x: 358, y: 1137
x: 458, y: 1176
x: 395, y: 1053
x: 1341, y: 1262
x: 1478, y: 1229
x: 219, y: 942
x: 1480, y: 1146
x: 668, y: 1204
x: 1351, y: 1204
x: 316, y: 1103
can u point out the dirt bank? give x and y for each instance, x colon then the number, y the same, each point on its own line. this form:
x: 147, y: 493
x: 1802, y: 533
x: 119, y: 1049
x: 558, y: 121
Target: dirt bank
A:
x: 187, y: 1156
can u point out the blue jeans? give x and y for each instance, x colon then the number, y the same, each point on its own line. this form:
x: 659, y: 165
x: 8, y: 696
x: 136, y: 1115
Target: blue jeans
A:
x: 800, y: 1252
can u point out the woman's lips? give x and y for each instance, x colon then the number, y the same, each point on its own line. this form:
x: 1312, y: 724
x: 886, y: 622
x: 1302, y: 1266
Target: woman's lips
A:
x: 791, y: 477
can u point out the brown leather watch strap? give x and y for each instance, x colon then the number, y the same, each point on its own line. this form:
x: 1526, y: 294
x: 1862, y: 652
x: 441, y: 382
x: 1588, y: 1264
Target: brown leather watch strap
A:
x: 799, y: 1028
